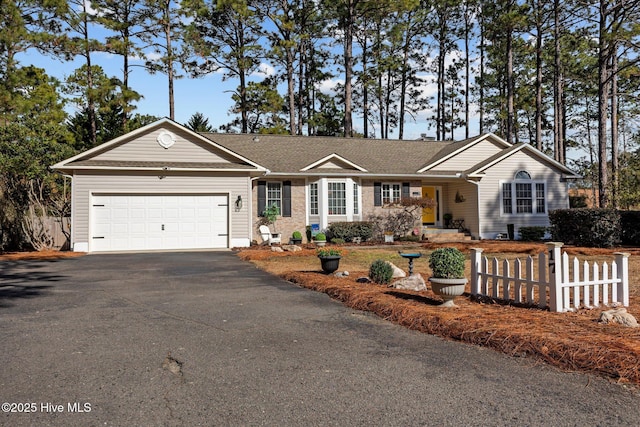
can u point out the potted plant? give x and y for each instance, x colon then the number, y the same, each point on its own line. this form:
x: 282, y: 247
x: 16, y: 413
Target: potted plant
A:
x: 447, y: 268
x: 329, y: 259
x: 296, y: 237
x: 447, y: 220
x: 321, y: 239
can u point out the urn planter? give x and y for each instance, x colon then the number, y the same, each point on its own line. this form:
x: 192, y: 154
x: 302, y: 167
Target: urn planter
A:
x: 447, y: 289
x: 329, y: 263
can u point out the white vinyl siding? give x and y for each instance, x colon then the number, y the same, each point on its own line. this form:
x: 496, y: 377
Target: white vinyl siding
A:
x: 469, y: 157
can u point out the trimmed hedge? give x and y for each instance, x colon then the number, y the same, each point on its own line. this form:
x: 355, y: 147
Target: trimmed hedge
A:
x: 630, y: 225
x: 532, y: 234
x: 348, y: 230
x: 599, y: 228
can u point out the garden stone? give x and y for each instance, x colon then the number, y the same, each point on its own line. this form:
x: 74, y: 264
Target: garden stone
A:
x: 291, y: 248
x: 363, y: 280
x: 618, y: 315
x: 397, y: 271
x: 341, y: 274
x: 276, y: 249
x: 411, y: 283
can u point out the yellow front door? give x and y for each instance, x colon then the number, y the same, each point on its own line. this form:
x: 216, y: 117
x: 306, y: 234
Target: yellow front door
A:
x: 429, y: 214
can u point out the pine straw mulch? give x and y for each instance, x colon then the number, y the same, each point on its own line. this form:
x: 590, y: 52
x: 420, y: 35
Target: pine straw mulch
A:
x: 572, y: 341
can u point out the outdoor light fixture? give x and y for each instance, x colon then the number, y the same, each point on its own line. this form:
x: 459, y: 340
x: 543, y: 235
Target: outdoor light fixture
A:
x: 238, y: 203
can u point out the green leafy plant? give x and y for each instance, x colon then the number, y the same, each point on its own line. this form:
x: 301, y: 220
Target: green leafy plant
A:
x: 447, y: 263
x: 270, y: 215
x: 321, y: 237
x: 380, y: 271
x: 324, y: 252
x: 296, y: 235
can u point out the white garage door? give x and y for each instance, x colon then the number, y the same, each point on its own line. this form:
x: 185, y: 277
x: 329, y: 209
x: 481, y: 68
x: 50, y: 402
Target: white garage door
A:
x: 159, y: 221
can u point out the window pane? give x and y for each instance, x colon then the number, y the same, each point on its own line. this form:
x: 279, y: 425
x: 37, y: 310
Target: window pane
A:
x: 391, y: 193
x: 540, y: 198
x: 313, y: 198
x: 337, y: 198
x: 274, y: 194
x: 356, y: 202
x: 507, y: 206
x: 523, y: 175
x: 524, y: 202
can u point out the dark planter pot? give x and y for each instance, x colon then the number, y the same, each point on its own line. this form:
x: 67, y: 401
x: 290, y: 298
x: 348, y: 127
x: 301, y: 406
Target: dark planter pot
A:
x: 296, y: 241
x: 330, y: 263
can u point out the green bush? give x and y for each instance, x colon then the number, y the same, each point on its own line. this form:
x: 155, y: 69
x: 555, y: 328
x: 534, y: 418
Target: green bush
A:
x: 599, y: 228
x: 532, y: 234
x: 348, y: 230
x: 630, y: 225
x: 380, y: 271
x: 321, y: 237
x: 447, y: 263
x: 296, y: 235
x: 337, y: 241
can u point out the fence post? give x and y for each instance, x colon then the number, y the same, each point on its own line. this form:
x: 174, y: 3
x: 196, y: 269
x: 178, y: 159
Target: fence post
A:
x: 476, y: 269
x: 555, y: 276
x: 622, y: 261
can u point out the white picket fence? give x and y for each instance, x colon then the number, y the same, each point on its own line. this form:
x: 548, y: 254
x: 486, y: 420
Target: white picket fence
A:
x: 561, y: 285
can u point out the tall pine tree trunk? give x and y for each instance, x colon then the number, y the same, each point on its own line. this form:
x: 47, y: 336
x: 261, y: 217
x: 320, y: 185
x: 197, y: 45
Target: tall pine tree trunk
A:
x: 603, y: 92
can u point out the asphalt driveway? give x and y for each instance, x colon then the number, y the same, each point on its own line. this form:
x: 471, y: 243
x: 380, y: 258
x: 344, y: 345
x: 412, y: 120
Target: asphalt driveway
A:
x: 203, y: 338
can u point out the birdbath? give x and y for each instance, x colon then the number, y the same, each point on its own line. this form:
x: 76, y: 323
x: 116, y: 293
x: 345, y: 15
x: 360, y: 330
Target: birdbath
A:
x: 410, y: 257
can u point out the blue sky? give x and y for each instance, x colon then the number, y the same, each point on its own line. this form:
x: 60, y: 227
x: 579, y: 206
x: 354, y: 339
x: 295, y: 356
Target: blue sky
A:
x: 209, y: 95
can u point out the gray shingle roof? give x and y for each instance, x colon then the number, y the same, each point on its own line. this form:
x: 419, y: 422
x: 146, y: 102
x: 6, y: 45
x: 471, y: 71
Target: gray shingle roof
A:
x: 290, y: 154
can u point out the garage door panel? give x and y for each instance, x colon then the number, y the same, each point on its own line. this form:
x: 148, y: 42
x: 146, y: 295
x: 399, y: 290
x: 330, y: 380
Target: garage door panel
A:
x: 150, y: 222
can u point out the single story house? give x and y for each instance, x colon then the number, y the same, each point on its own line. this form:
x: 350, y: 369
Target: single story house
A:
x: 165, y: 187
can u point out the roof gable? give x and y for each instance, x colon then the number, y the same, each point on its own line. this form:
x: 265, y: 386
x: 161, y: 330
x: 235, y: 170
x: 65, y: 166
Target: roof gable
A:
x: 462, y: 155
x: 159, y: 145
x: 333, y: 161
x: 479, y: 169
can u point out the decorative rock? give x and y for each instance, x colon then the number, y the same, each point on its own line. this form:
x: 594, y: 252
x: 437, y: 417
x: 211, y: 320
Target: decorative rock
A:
x: 291, y: 248
x: 363, y: 280
x: 276, y: 249
x: 342, y: 274
x: 397, y: 272
x: 412, y: 283
x: 618, y: 315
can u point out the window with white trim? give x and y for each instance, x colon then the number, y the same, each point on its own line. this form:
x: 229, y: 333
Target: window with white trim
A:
x: 274, y: 194
x: 337, y: 198
x: 313, y: 199
x: 356, y: 202
x: 391, y: 193
x: 524, y: 196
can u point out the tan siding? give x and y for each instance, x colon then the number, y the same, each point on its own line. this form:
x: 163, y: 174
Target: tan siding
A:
x: 146, y: 148
x: 84, y: 184
x: 494, y: 221
x: 467, y: 209
x: 469, y: 157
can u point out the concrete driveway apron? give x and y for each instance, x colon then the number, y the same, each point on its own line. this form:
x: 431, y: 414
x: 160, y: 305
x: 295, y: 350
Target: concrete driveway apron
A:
x: 203, y: 338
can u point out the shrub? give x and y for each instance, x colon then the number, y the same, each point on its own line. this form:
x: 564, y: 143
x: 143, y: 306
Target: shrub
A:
x: 629, y: 221
x: 296, y: 235
x: 348, y: 230
x: 598, y: 228
x: 380, y: 271
x: 321, y: 237
x: 532, y: 234
x: 337, y: 241
x: 447, y: 263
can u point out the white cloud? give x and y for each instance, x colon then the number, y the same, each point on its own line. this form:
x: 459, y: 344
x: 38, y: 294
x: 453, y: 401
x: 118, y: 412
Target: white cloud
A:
x: 264, y: 70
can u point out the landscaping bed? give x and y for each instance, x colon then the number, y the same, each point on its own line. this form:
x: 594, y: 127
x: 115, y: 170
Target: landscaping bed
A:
x: 572, y: 341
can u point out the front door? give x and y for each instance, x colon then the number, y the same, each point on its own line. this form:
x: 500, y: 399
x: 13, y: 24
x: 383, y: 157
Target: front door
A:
x: 430, y: 215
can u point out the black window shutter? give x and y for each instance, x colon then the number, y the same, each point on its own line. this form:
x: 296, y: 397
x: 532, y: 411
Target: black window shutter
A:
x: 377, y: 194
x: 406, y: 190
x: 262, y: 197
x: 286, y: 198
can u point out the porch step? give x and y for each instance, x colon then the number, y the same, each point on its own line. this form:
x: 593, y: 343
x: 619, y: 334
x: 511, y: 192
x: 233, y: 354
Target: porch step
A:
x: 440, y: 235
